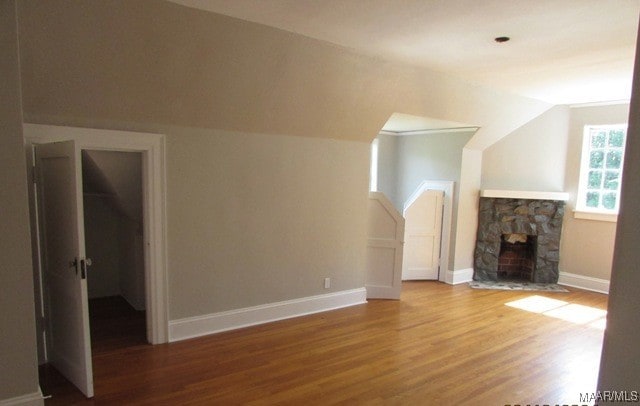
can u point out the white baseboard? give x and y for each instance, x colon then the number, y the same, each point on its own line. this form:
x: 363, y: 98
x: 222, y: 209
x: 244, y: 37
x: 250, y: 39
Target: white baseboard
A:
x: 584, y: 282
x: 30, y: 399
x: 191, y: 327
x: 459, y: 276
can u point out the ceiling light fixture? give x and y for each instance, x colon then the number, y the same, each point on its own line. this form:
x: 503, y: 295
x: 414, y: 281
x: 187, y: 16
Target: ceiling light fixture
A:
x: 500, y: 40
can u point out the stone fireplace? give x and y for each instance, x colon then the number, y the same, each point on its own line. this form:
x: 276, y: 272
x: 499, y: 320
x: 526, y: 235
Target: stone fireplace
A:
x: 518, y: 236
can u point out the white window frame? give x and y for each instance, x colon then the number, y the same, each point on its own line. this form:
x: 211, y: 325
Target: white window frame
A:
x: 582, y: 210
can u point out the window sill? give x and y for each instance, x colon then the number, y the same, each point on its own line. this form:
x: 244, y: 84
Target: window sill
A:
x: 591, y: 215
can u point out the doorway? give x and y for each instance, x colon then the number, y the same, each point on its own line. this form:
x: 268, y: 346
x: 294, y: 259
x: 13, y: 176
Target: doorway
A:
x: 445, y: 189
x: 113, y: 222
x: 150, y: 234
x: 423, y: 232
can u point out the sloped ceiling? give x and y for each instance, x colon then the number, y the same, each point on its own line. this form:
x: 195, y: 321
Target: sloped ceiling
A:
x: 159, y: 65
x: 117, y: 176
x: 561, y: 52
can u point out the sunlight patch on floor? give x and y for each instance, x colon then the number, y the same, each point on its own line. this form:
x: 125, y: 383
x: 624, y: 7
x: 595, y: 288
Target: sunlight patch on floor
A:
x: 537, y: 304
x: 600, y: 324
x: 576, y: 313
x: 559, y: 309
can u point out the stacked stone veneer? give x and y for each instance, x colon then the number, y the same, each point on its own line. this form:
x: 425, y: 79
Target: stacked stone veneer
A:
x: 498, y: 216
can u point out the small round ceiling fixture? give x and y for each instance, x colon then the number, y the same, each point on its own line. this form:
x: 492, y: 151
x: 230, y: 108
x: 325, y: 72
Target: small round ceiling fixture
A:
x: 500, y: 40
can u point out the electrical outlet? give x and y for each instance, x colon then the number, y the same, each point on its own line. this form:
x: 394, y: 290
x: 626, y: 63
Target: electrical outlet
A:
x: 327, y: 283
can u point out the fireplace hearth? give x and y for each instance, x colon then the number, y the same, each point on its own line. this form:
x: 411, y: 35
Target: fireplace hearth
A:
x: 518, y: 239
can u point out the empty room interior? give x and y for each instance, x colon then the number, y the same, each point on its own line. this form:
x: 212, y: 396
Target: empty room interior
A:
x: 327, y: 202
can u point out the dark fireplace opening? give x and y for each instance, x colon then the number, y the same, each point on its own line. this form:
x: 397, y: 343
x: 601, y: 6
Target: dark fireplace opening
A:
x: 517, y: 259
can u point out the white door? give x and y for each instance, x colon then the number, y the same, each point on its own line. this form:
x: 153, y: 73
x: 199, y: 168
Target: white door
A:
x: 61, y: 228
x: 385, y: 230
x: 423, y: 231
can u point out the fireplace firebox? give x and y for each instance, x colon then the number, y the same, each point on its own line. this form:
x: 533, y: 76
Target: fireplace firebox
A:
x: 517, y: 259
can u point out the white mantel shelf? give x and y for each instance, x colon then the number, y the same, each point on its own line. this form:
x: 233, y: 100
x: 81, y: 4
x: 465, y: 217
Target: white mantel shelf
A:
x: 523, y: 194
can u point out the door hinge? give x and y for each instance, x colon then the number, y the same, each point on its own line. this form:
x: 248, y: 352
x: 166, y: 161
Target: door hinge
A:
x: 74, y: 264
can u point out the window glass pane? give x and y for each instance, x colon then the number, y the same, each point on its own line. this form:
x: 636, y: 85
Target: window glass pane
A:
x: 609, y: 201
x: 592, y: 199
x: 597, y: 139
x: 595, y: 180
x: 614, y: 159
x: 596, y: 159
x: 603, y: 152
x: 616, y: 138
x: 611, y: 180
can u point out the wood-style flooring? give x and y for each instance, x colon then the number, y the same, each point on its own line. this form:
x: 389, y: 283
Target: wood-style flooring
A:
x: 439, y: 345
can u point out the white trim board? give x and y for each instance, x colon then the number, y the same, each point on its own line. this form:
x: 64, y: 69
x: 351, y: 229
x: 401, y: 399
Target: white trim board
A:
x: 198, y: 326
x: 428, y: 131
x: 459, y: 276
x: 584, y: 282
x: 447, y: 217
x: 30, y: 399
x: 588, y: 215
x: 525, y: 194
x: 152, y: 147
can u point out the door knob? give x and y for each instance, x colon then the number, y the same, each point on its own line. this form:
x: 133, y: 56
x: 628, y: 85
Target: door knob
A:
x: 84, y: 263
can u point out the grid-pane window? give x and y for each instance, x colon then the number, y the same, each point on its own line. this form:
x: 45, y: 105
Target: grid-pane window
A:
x: 601, y: 175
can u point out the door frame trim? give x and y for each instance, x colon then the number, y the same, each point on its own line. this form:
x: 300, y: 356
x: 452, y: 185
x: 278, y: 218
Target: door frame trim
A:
x: 152, y: 147
x: 447, y: 186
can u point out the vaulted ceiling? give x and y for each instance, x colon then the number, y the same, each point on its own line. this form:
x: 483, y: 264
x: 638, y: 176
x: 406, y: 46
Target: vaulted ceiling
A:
x: 560, y: 51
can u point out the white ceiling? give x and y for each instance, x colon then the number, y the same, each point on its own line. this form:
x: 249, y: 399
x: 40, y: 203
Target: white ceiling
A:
x: 561, y: 51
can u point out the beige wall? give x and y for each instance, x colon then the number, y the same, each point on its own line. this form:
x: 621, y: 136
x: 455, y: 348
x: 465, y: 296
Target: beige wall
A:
x: 256, y: 219
x: 155, y: 61
x: 619, y: 367
x: 18, y: 363
x: 531, y: 158
x: 587, y: 245
x: 158, y: 62
x: 545, y: 155
x: 158, y: 66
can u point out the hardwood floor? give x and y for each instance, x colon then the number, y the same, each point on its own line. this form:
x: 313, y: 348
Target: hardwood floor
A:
x: 439, y: 345
x: 115, y: 325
